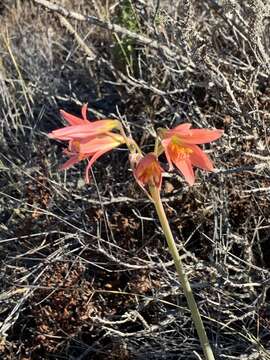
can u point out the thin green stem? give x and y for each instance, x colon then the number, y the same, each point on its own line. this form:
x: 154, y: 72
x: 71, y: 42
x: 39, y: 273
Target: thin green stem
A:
x: 157, y: 142
x: 208, y: 353
x: 131, y: 144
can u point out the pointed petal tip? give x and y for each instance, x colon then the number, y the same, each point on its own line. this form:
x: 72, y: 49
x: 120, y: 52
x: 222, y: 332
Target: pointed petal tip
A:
x: 84, y: 111
x: 51, y: 135
x: 190, y: 182
x: 72, y: 119
x: 211, y: 167
x: 220, y: 131
x: 87, y: 179
x: 63, y: 114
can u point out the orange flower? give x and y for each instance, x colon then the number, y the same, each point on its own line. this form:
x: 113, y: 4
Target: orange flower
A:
x: 148, y: 172
x: 87, y: 140
x: 91, y: 149
x: 180, y: 146
x: 82, y: 128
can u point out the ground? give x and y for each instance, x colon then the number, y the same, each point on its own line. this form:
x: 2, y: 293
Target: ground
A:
x: 85, y: 270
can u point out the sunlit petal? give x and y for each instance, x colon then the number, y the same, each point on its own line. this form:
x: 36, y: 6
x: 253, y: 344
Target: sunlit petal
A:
x: 201, y: 136
x: 100, y: 143
x: 84, y: 112
x: 182, y: 129
x: 185, y: 167
x: 83, y: 131
x: 200, y: 159
x: 90, y: 163
x: 71, y: 119
x: 70, y: 162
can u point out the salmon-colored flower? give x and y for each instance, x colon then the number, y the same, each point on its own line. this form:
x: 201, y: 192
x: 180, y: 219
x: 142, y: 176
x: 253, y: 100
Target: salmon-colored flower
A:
x: 91, y: 149
x: 82, y: 128
x: 148, y: 172
x: 180, y: 146
x: 87, y: 140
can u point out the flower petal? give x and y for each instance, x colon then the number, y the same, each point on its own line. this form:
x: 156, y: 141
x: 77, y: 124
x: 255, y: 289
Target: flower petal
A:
x: 71, y: 119
x: 90, y: 163
x: 165, y: 143
x: 180, y: 130
x: 73, y: 160
x: 72, y: 132
x: 103, y: 142
x: 148, y: 171
x: 201, y: 136
x: 84, y: 112
x: 199, y: 158
x: 84, y: 131
x: 185, y: 167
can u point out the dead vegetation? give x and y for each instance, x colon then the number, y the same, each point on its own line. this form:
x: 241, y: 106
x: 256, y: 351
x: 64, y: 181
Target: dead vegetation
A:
x: 85, y: 272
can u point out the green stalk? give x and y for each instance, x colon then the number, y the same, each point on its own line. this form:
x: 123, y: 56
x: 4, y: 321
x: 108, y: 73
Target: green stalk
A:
x: 196, y: 317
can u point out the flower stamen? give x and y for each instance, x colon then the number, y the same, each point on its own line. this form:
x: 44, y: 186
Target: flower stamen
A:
x: 179, y: 151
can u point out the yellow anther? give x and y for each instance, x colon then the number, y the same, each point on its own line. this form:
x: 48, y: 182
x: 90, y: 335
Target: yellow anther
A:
x: 178, y: 150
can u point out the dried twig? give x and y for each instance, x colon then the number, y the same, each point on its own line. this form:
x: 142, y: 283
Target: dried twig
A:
x: 108, y: 26
x: 90, y: 52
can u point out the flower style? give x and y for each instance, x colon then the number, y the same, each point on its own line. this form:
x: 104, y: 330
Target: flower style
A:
x: 180, y: 146
x: 87, y: 140
x: 148, y: 172
x: 82, y: 128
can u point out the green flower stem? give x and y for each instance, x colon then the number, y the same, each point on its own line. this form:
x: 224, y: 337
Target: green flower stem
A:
x: 181, y: 274
x: 131, y: 144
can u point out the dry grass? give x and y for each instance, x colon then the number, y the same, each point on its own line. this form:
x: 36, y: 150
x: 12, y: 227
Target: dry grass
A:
x: 85, y: 272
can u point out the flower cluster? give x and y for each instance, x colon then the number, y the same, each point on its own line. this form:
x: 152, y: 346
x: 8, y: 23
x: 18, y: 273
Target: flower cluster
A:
x: 87, y: 140
x: 90, y: 140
